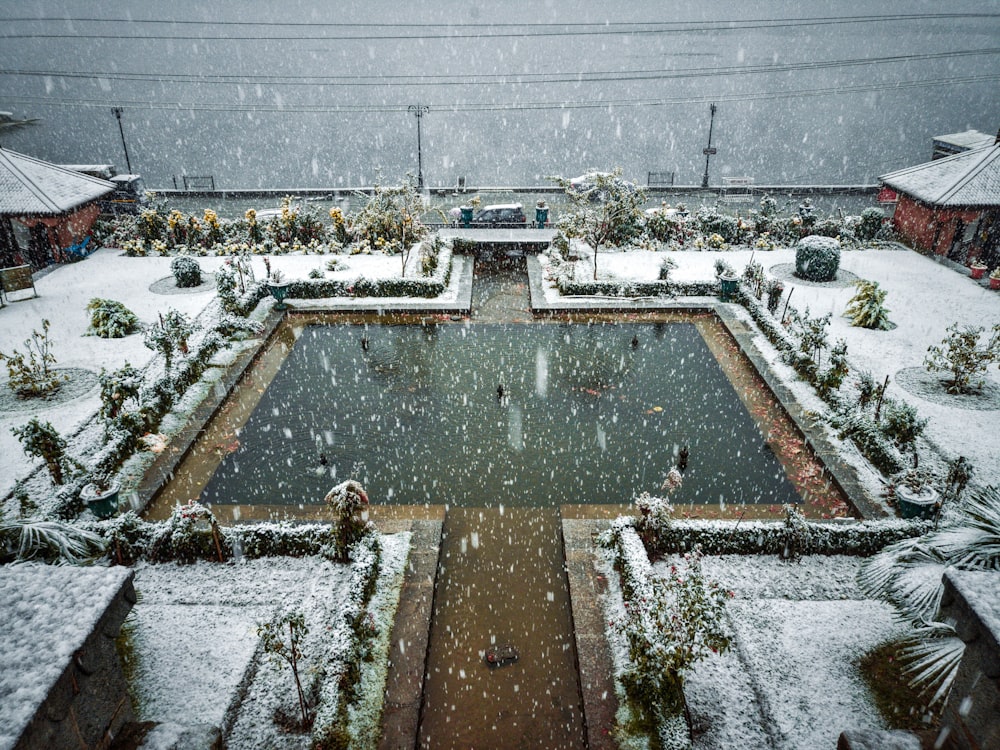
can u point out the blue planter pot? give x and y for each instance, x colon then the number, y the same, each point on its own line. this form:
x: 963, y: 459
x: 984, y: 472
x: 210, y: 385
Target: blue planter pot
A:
x: 101, y: 504
x: 279, y: 292
x: 917, y: 505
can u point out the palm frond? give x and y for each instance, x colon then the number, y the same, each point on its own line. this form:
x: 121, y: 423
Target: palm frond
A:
x: 907, y: 573
x: 50, y: 541
x: 878, y: 572
x: 973, y: 543
x: 917, y: 590
x: 932, y: 656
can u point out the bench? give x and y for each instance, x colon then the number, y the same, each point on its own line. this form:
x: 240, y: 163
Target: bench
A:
x: 15, y: 279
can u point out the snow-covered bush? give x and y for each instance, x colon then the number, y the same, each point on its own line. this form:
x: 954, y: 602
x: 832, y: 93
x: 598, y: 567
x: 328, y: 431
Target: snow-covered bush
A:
x: 709, y: 221
x: 346, y: 501
x: 664, y: 227
x: 866, y: 308
x: 817, y: 258
x: 870, y: 223
x: 961, y: 355
x: 32, y: 372
x: 192, y: 534
x: 901, y: 424
x: 667, y: 265
x: 120, y: 400
x: 110, y: 319
x: 670, y: 624
x: 186, y: 271
x: 773, y: 288
x: 169, y: 335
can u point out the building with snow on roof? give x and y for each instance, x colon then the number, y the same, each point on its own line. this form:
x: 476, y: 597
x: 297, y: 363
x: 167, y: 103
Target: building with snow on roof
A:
x: 950, y: 206
x: 58, y: 206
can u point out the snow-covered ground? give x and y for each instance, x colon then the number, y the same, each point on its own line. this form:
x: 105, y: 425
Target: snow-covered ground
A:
x: 790, y: 678
x: 194, y: 656
x: 62, y: 299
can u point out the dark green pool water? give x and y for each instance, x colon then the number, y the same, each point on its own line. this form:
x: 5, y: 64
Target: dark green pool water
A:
x: 591, y: 414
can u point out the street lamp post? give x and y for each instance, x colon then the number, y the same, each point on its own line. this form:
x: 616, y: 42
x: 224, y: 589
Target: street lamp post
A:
x: 708, y: 151
x: 419, y: 110
x: 118, y: 113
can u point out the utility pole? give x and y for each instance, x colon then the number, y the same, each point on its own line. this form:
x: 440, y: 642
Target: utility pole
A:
x: 117, y: 111
x: 708, y: 151
x: 419, y: 110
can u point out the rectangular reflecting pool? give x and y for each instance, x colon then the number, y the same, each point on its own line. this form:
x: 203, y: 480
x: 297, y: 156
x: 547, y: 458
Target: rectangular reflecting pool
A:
x: 486, y: 415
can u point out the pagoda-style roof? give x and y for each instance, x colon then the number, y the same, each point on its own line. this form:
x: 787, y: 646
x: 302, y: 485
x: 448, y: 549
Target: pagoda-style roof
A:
x: 970, y: 179
x: 32, y: 187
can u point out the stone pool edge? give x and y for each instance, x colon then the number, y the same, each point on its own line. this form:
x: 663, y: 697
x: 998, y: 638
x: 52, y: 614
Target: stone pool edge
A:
x: 843, y: 474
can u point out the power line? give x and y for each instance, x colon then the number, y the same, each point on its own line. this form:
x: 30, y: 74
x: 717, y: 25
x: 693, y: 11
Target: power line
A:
x: 496, y: 78
x: 510, y: 107
x: 481, y: 31
x: 805, y: 20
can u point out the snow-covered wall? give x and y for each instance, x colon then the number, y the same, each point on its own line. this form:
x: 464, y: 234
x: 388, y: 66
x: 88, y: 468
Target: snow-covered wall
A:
x: 61, y: 682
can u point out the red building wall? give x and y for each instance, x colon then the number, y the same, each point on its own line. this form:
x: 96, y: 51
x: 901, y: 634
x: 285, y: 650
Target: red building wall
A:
x: 929, y: 228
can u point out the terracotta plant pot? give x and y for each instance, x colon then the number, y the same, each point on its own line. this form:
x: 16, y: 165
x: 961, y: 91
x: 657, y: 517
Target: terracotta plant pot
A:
x: 994, y: 283
x: 977, y: 271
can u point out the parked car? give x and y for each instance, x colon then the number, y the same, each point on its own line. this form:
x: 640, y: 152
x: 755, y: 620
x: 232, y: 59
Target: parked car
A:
x: 129, y: 197
x: 507, y: 214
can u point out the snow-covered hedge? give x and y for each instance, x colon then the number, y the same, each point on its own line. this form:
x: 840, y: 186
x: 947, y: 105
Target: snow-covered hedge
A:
x: 130, y: 539
x: 638, y: 288
x: 863, y: 538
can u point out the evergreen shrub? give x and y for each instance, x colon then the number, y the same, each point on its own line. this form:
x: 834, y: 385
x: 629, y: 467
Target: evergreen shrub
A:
x: 817, y: 258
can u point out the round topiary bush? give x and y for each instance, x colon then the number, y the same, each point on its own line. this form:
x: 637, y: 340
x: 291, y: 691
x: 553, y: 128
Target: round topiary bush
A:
x: 817, y: 258
x: 186, y: 271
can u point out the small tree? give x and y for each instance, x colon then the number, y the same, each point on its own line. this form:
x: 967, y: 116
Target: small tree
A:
x: 40, y: 439
x: 170, y: 334
x: 32, y: 372
x: 866, y: 309
x: 961, y: 355
x: 273, y: 639
x: 607, y: 212
x: 391, y: 219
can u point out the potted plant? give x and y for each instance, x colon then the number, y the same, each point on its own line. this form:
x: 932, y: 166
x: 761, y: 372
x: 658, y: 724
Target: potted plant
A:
x: 278, y: 288
x: 995, y: 278
x: 977, y: 269
x: 101, y: 495
x: 915, y: 496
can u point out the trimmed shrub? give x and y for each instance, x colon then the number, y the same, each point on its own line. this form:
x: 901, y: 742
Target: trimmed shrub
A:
x: 110, y: 319
x: 186, y: 271
x: 817, y: 258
